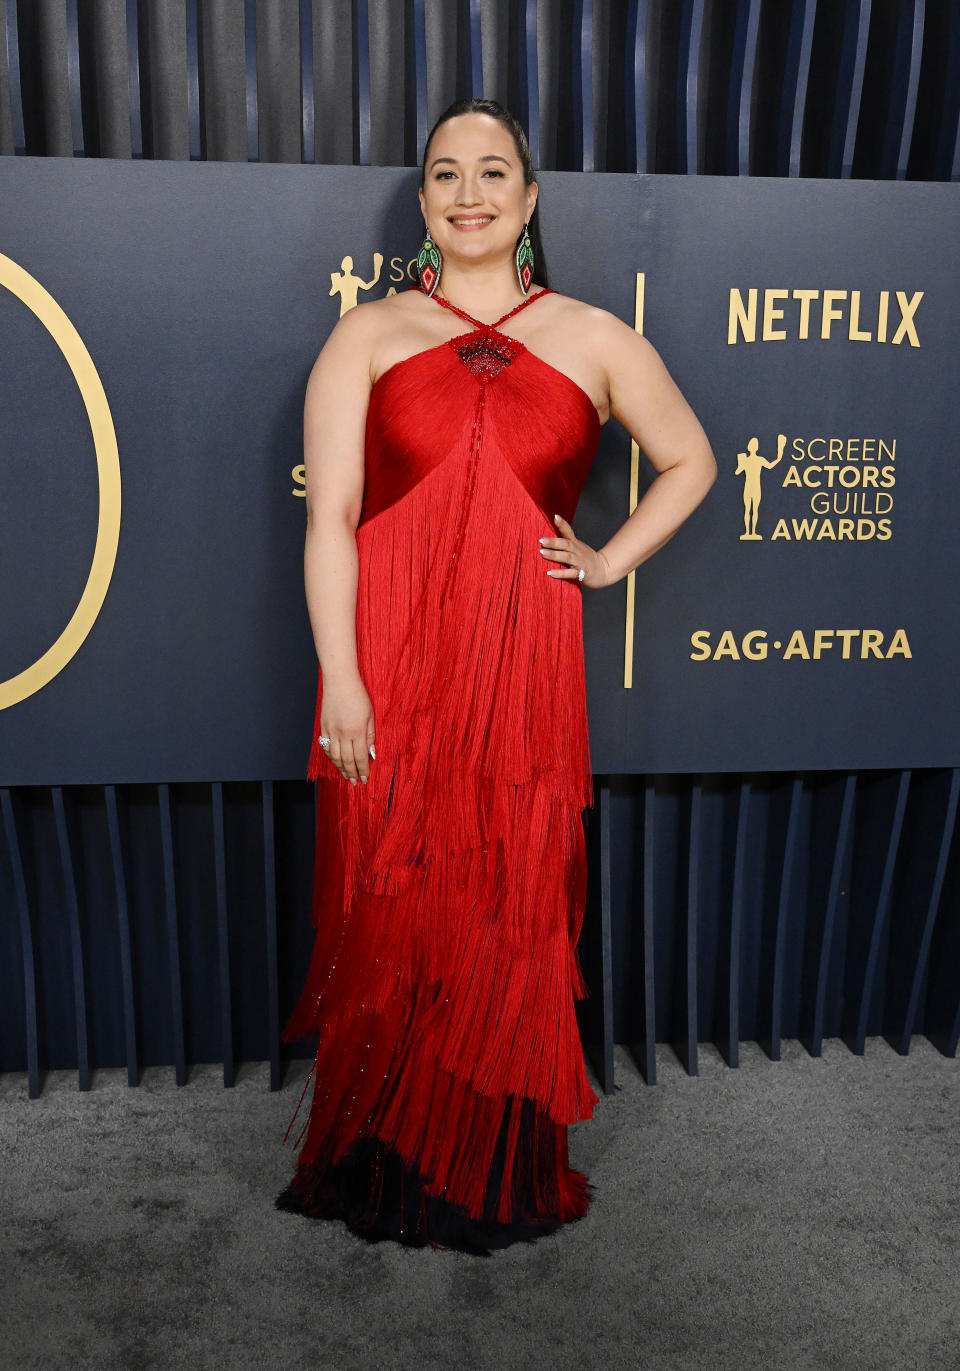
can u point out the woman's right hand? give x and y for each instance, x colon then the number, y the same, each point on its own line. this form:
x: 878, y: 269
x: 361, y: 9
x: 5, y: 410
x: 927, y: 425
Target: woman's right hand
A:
x: 346, y: 718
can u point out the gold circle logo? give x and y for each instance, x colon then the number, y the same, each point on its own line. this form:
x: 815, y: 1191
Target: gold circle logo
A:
x: 21, y: 284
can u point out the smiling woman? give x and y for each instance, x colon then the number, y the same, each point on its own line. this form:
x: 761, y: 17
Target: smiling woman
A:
x: 444, y: 583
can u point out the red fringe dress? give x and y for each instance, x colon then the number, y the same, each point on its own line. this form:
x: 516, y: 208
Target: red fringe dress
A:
x: 449, y: 890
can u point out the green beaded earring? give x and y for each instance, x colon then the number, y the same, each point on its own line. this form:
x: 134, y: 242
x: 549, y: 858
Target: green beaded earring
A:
x: 429, y: 263
x: 524, y: 259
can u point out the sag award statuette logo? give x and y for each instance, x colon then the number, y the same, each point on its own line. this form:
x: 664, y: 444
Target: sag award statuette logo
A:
x: 348, y: 285
x: 30, y: 292
x: 751, y: 466
x: 834, y: 489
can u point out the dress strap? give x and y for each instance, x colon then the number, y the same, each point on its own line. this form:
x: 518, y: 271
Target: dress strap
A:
x: 546, y: 290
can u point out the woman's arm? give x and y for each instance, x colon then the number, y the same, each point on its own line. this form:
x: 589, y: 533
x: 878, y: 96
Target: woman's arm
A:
x: 647, y: 402
x: 645, y: 399
x: 334, y: 417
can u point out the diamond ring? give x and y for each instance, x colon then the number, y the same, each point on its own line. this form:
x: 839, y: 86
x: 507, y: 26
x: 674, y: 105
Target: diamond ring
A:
x: 324, y: 742
x: 581, y: 573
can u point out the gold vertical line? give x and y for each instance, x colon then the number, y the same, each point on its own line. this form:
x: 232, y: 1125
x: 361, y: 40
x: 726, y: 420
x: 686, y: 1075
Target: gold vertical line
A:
x: 634, y: 487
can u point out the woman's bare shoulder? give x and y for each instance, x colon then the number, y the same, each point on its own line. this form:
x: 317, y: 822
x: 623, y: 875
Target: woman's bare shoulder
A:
x: 386, y: 311
x: 585, y: 315
x: 359, y: 332
x: 606, y: 336
x: 595, y: 327
x: 366, y: 324
x: 573, y: 308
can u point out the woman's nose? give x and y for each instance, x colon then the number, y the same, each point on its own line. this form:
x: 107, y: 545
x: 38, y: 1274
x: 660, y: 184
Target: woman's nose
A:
x: 469, y: 192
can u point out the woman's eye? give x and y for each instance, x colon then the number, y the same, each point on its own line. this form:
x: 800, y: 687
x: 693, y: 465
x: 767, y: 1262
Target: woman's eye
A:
x: 491, y: 171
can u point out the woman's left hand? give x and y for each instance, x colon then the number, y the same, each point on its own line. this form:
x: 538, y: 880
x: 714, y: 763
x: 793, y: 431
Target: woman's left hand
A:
x: 571, y: 555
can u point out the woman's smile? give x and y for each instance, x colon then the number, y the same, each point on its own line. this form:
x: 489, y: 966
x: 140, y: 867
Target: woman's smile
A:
x: 467, y: 223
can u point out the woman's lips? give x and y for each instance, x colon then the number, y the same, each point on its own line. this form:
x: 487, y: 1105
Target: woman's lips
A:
x: 470, y: 225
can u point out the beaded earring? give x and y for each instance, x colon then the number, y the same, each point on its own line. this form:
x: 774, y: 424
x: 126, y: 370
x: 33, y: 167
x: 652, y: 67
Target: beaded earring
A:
x: 429, y: 264
x: 524, y: 260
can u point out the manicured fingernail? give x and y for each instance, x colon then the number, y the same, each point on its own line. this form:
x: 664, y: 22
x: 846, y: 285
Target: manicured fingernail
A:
x: 543, y: 540
x: 544, y: 551
x: 364, y: 779
x: 373, y: 751
x: 557, y: 517
x: 352, y: 780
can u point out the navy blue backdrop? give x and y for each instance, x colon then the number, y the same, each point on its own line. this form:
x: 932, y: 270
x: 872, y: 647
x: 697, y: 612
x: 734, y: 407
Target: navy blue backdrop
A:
x: 811, y: 320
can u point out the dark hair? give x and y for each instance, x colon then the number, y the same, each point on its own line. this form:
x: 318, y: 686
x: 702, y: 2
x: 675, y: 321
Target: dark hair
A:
x: 511, y: 122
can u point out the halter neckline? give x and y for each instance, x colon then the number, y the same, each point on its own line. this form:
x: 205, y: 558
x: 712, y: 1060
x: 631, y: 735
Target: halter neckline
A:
x: 545, y: 290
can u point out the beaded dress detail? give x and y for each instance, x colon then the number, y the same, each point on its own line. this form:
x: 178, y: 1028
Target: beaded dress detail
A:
x: 449, y: 891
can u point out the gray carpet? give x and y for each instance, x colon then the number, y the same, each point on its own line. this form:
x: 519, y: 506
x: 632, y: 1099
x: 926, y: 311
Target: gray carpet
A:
x: 797, y: 1214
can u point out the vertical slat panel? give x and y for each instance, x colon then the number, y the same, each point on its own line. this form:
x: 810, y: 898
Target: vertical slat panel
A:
x: 646, y: 1051
x: 840, y: 848
x: 748, y: 82
x: 899, y: 18
x: 193, y: 80
x: 738, y: 895
x: 846, y: 73
x: 26, y: 943
x: 250, y: 64
x: 901, y: 1042
x: 953, y: 1039
x: 635, y: 85
x: 362, y: 28
x: 420, y: 72
x: 784, y: 100
x: 533, y: 81
x: 76, y: 939
x: 783, y: 917
x: 308, y: 92
x: 476, y: 52
x: 941, y: 1010
x: 688, y: 1048
x: 73, y: 78
x: 631, y: 21
x: 856, y: 89
x: 913, y: 86
x: 803, y: 80
x: 173, y: 935
x: 946, y: 139
x: 695, y: 67
x: 223, y: 934
x: 133, y: 78
x: 731, y: 138
x: 606, y: 941
x: 859, y: 1042
x: 123, y: 928
x: 270, y: 914
x: 678, y: 95
x: 584, y: 97
x: 12, y: 44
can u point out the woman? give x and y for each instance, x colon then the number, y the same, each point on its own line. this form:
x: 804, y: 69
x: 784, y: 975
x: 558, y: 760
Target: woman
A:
x: 449, y: 430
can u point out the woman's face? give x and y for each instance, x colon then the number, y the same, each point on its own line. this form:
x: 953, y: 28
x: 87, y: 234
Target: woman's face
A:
x: 474, y: 198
